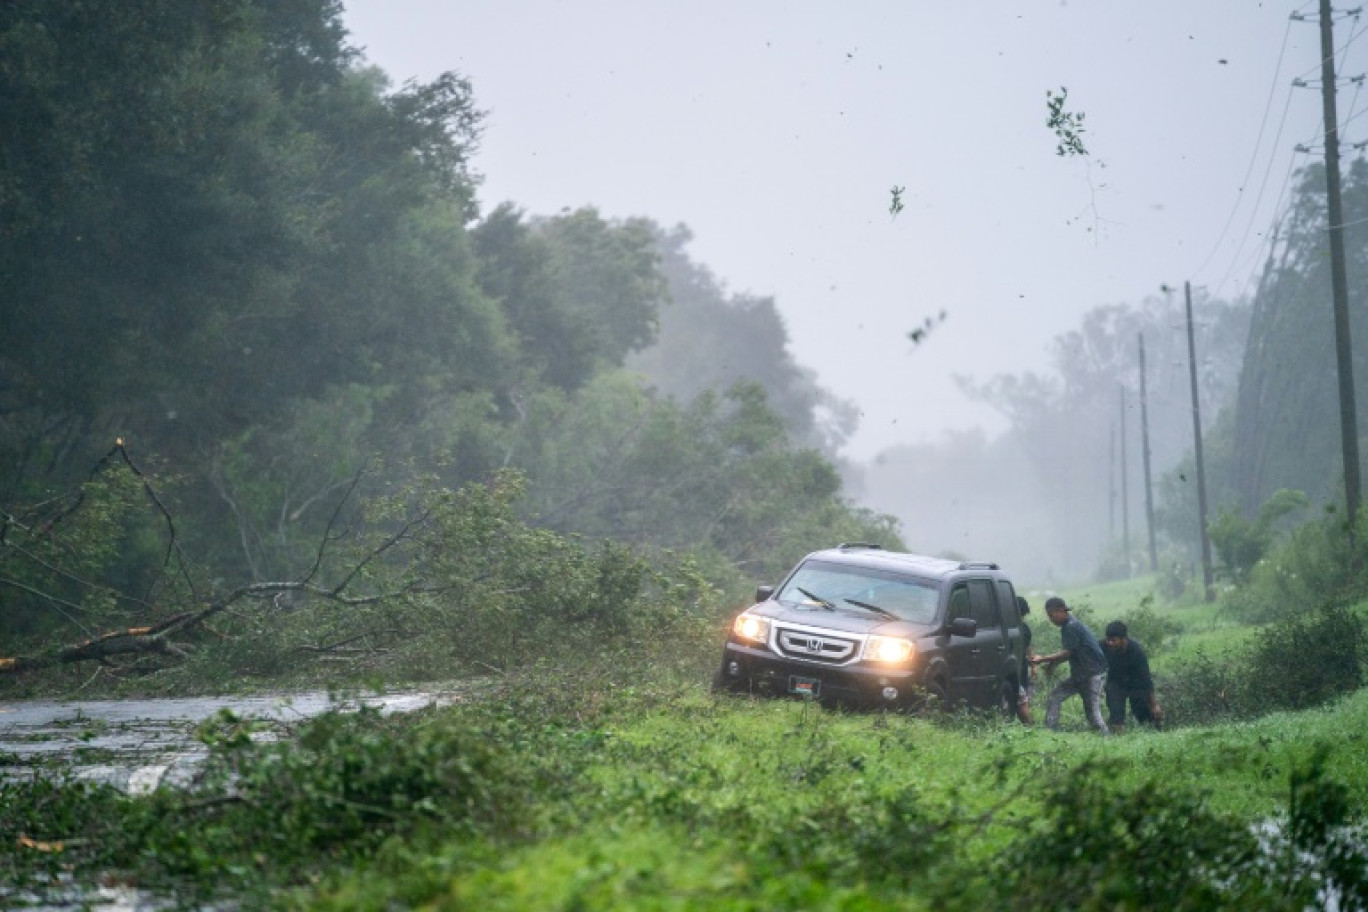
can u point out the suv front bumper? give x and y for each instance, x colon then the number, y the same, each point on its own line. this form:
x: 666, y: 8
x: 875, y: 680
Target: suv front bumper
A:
x: 748, y: 669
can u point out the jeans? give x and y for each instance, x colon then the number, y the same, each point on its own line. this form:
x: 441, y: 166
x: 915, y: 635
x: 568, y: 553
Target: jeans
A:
x: 1116, y: 705
x: 1090, y: 689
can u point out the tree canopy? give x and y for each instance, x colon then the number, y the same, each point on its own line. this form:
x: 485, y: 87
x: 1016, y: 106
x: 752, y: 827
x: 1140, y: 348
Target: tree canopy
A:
x: 232, y: 247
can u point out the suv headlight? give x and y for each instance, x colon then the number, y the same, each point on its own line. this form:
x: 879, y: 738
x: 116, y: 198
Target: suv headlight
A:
x: 752, y: 628
x: 888, y: 650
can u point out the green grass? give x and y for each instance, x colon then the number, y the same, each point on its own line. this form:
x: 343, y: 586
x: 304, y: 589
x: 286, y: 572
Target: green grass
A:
x: 627, y: 788
x: 624, y: 784
x: 1112, y: 598
x: 742, y: 804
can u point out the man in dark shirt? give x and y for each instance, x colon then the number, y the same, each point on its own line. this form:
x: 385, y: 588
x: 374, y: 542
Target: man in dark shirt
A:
x: 1026, y: 679
x: 1128, y: 678
x: 1086, y: 666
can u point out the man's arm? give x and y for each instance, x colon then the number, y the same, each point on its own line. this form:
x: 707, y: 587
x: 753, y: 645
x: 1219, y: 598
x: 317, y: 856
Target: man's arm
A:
x: 1053, y: 658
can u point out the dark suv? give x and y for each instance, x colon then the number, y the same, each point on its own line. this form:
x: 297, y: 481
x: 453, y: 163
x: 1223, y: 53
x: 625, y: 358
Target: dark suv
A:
x: 857, y: 625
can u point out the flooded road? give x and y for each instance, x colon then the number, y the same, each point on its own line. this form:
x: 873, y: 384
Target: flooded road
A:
x: 138, y: 745
x: 141, y: 745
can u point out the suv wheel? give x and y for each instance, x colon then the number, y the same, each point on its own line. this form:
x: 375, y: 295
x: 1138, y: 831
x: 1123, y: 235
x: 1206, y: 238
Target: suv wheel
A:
x: 937, y: 695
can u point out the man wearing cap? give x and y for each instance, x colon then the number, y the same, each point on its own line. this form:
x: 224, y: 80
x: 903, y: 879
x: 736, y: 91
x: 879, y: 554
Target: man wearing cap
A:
x: 1086, y: 666
x: 1128, y: 678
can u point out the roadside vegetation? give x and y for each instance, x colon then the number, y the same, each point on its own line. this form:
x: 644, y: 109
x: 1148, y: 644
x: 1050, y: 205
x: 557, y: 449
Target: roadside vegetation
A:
x: 627, y: 786
x: 607, y: 776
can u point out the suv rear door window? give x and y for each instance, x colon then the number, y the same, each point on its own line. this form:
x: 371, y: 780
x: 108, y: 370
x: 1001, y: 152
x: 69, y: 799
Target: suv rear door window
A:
x: 983, y: 607
x: 1008, y: 604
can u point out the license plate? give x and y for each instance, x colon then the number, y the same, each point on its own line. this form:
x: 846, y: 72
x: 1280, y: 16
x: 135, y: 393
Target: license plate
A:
x: 805, y: 687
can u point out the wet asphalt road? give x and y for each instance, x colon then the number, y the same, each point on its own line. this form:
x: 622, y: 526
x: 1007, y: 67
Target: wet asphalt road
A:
x: 138, y: 745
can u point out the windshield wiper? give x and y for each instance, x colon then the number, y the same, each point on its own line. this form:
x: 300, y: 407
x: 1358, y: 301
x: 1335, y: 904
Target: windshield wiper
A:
x: 817, y: 598
x: 875, y: 608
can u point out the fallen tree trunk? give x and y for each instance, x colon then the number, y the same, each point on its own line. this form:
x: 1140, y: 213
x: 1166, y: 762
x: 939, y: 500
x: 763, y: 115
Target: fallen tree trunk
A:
x: 131, y: 641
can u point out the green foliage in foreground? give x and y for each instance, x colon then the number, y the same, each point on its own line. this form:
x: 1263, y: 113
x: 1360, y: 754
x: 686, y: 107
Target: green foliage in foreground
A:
x: 620, y: 788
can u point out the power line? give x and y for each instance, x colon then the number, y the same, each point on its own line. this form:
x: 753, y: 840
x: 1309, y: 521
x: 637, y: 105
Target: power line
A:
x: 1263, y: 184
x: 1280, y: 211
x: 1268, y: 106
x: 1298, y: 82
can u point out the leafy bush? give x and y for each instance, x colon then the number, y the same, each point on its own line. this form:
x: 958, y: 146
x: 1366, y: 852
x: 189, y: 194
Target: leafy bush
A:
x: 1241, y: 543
x: 1296, y: 663
x: 1103, y: 847
x: 1325, y: 837
x: 1307, y: 660
x: 350, y: 779
x: 1204, y: 689
x: 1318, y: 563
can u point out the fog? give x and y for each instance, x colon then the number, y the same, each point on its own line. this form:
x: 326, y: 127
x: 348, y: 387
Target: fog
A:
x: 777, y: 133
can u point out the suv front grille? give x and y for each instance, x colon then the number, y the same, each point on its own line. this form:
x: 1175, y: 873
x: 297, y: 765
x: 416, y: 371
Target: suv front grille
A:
x: 815, y: 646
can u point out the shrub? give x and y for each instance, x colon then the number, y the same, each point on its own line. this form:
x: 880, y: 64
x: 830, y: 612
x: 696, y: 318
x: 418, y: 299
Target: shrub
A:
x: 1241, y: 543
x: 1103, y: 847
x: 1296, y: 663
x: 353, y: 778
x: 1305, y: 661
x: 1318, y: 563
x: 1325, y: 838
x: 1156, y: 846
x: 1204, y: 689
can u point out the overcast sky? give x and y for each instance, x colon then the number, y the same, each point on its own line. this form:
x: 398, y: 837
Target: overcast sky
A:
x: 777, y: 130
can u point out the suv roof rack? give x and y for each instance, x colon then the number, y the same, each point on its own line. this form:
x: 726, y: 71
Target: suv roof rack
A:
x: 846, y: 546
x: 978, y: 565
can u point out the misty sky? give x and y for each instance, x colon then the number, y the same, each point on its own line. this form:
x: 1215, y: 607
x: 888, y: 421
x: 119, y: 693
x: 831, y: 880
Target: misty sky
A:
x: 776, y: 131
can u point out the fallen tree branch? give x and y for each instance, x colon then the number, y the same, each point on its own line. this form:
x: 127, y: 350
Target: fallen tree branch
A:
x: 130, y: 641
x: 157, y: 639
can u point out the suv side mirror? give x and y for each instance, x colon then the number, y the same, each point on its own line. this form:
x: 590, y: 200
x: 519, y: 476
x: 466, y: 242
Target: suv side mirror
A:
x: 762, y: 593
x: 963, y: 627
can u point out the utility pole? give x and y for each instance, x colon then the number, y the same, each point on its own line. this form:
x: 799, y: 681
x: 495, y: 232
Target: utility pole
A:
x: 1125, y: 499
x: 1207, y: 583
x: 1111, y: 484
x: 1338, y: 281
x: 1145, y: 449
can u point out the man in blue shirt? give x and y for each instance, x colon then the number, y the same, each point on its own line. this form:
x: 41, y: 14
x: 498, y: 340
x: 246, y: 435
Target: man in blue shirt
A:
x: 1086, y: 666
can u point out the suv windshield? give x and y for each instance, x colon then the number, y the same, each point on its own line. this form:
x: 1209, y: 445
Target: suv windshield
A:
x: 842, y: 585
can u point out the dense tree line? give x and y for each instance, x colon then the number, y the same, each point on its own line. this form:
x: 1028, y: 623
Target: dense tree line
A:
x: 228, y: 244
